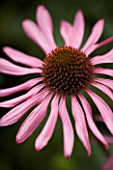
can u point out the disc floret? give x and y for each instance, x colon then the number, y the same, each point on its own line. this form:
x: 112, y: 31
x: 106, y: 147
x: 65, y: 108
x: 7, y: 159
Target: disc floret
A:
x: 67, y: 70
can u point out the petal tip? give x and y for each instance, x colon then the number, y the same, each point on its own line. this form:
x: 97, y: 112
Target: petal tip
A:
x: 79, y: 12
x: 41, y: 7
x: 67, y: 156
x: 37, y: 148
x: 3, y: 123
x: 106, y: 146
x: 89, y: 153
x: 18, y: 139
x: 26, y: 22
x: 5, y: 49
x: 102, y: 21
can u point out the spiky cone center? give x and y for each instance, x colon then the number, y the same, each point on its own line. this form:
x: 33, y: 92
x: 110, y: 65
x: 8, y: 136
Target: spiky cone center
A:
x: 67, y: 70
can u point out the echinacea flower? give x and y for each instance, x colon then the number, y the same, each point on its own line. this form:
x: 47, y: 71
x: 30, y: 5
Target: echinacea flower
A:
x: 65, y: 71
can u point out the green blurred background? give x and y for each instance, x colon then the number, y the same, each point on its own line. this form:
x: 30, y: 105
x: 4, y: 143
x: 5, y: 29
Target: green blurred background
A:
x: 24, y: 156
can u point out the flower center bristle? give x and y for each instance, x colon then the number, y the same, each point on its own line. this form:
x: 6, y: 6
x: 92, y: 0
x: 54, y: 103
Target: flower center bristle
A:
x: 67, y: 70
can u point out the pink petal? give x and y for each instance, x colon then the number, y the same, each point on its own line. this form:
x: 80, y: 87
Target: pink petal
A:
x: 104, y: 42
x: 24, y: 86
x: 17, y: 112
x: 104, y: 89
x: 67, y: 128
x: 33, y: 120
x: 80, y: 124
x: 104, y: 109
x: 77, y: 29
x: 106, y: 58
x: 7, y: 67
x: 45, y: 23
x: 22, y: 58
x: 109, y: 139
x: 66, y: 30
x: 33, y: 31
x: 48, y: 129
x: 91, y: 123
x: 98, y: 45
x: 106, y: 82
x: 105, y: 71
x: 94, y: 36
x: 108, y: 165
x: 17, y: 100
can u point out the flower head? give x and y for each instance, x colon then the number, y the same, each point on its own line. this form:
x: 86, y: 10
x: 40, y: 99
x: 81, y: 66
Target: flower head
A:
x: 66, y: 70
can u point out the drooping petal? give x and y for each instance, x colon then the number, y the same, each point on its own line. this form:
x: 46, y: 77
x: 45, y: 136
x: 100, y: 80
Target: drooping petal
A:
x: 46, y: 133
x: 22, y: 58
x: 106, y: 82
x: 104, y: 89
x: 24, y: 86
x: 67, y: 128
x: 104, y: 109
x: 33, y: 120
x: 45, y: 24
x: 17, y: 112
x: 94, y: 36
x: 105, y: 71
x: 13, y: 102
x: 7, y: 67
x: 73, y: 34
x: 80, y: 124
x: 106, y: 58
x: 91, y: 123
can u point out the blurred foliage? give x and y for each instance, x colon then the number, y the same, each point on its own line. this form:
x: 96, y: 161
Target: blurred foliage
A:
x: 24, y: 156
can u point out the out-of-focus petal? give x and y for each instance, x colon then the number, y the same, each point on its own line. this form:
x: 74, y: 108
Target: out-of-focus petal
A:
x: 104, y: 89
x: 24, y: 86
x: 67, y: 128
x: 94, y: 36
x: 91, y: 123
x: 45, y: 24
x: 107, y: 82
x: 108, y: 165
x: 104, y: 109
x: 109, y: 139
x: 7, y: 67
x: 79, y: 25
x: 17, y: 112
x: 80, y: 124
x: 73, y: 34
x: 46, y: 133
x: 106, y: 58
x: 66, y: 31
x: 22, y: 58
x: 105, y: 71
x: 33, y: 120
